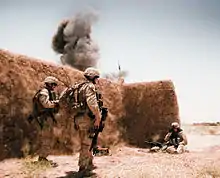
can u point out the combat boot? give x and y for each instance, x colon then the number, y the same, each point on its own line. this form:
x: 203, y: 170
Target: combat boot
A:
x: 45, y: 160
x: 91, y: 166
x: 84, y: 172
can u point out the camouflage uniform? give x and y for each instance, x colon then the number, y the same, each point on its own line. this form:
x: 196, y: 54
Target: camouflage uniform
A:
x: 178, y: 134
x: 85, y: 123
x: 47, y: 100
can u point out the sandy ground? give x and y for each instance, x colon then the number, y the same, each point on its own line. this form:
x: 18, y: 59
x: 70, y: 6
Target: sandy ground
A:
x: 203, y: 160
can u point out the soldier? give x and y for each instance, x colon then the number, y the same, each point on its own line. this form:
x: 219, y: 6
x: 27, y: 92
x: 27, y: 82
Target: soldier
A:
x: 45, y: 104
x: 90, y: 118
x: 177, y: 139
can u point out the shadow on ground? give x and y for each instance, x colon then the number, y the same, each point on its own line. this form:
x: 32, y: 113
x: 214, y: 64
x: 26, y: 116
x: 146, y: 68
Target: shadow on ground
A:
x: 74, y: 174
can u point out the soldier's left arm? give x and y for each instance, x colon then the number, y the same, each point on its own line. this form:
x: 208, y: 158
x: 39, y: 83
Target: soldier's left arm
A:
x: 184, y: 142
x: 167, y: 137
x: 92, y: 101
x: 44, y: 99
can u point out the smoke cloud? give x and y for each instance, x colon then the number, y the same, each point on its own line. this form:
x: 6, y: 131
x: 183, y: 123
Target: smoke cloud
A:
x: 73, y: 40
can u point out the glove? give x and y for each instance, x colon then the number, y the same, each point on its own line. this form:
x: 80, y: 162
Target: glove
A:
x: 56, y: 101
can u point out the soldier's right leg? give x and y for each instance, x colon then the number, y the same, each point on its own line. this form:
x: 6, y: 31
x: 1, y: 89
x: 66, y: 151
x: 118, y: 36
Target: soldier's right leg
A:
x: 180, y: 149
x: 44, y: 144
x: 46, y: 141
x: 85, y: 156
x: 171, y: 150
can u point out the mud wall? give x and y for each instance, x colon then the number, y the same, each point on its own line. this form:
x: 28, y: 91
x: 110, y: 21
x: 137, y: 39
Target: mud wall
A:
x: 150, y: 109
x: 132, y: 119
x: 20, y: 78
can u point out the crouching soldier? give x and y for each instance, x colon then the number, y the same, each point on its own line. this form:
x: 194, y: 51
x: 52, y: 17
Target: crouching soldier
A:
x: 45, y: 106
x: 176, y: 139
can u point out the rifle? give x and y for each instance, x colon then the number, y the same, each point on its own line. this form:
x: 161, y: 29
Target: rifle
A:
x: 31, y: 117
x: 104, y: 113
x: 42, y: 116
x: 152, y: 144
x: 162, y: 146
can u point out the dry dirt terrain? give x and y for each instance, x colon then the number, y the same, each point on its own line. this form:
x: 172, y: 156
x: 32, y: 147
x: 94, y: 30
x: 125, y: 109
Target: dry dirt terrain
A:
x: 202, y: 160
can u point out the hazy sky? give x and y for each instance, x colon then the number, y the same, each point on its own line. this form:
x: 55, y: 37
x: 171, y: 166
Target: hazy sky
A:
x: 152, y: 39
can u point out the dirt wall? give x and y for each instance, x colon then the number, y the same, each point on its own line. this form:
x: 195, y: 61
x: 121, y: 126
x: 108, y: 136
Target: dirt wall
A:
x: 150, y: 109
x: 20, y: 78
x: 131, y: 118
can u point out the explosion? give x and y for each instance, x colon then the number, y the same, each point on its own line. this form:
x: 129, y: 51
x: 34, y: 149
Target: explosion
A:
x: 73, y: 40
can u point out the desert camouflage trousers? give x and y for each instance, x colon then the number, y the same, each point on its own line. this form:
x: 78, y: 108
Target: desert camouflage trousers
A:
x: 85, y: 156
x: 46, y: 138
x: 179, y: 149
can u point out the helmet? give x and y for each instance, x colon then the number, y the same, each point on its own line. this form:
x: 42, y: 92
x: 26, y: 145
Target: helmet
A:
x: 51, y: 79
x: 175, y: 125
x: 91, y: 72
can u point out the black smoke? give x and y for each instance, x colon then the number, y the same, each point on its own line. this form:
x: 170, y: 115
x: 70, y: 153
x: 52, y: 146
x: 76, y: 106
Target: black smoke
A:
x: 74, y: 42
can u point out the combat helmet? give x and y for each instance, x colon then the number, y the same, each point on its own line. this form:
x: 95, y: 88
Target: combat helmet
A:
x: 51, y: 80
x: 91, y: 72
x: 175, y: 125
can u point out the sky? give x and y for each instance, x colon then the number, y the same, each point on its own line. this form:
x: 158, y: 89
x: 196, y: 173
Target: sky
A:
x: 153, y: 40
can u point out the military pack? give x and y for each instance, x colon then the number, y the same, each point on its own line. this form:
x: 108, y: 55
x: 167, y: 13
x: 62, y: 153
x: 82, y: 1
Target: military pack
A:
x: 75, y: 98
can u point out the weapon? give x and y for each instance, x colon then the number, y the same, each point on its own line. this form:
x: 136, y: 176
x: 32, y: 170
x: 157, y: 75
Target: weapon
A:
x: 39, y: 120
x: 93, y: 147
x: 162, y: 146
x: 40, y: 117
x: 152, y: 144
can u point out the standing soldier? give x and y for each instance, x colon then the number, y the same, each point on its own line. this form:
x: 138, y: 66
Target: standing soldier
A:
x: 88, y: 119
x: 177, y: 139
x: 45, y: 105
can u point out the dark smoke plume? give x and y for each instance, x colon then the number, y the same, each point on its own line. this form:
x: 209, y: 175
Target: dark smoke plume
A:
x: 73, y: 40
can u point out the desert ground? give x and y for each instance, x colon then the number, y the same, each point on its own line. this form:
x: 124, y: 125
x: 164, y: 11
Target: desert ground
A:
x: 202, y: 160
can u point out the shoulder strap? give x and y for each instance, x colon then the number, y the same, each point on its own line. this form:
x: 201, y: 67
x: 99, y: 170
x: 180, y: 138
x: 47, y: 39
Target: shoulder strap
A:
x: 50, y: 94
x: 82, y: 83
x: 78, y: 98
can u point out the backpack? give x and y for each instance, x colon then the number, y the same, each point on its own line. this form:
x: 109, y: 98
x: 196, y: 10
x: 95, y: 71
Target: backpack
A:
x: 75, y: 98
